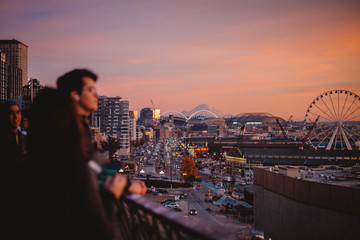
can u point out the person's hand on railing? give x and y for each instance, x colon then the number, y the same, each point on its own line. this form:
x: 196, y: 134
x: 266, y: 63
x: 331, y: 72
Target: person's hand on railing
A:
x: 138, y: 187
x: 116, y: 184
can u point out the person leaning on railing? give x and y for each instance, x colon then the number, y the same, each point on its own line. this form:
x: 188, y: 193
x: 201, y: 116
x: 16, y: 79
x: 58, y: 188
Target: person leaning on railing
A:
x: 63, y: 197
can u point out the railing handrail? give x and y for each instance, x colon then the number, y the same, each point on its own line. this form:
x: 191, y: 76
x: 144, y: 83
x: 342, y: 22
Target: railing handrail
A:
x: 196, y: 230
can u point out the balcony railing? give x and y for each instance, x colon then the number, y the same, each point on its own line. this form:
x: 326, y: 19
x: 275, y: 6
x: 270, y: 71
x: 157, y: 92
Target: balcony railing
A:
x: 144, y: 219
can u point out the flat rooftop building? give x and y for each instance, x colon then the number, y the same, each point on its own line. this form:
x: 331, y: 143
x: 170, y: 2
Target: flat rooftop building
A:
x: 16, y: 56
x: 299, y: 202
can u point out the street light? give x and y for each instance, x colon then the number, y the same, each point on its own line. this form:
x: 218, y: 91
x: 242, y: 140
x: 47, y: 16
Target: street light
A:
x: 142, y: 171
x: 121, y: 170
x: 161, y: 173
x: 184, y: 175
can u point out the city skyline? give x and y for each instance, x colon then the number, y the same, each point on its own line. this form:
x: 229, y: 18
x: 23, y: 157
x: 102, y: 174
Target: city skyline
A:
x: 237, y: 56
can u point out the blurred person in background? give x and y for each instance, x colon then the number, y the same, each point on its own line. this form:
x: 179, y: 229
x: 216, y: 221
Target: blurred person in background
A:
x: 12, y: 160
x: 24, y: 124
x: 65, y: 199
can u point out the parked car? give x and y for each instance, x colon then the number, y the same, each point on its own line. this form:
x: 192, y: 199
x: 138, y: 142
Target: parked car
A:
x: 183, y: 195
x: 171, y: 204
x: 162, y: 190
x: 176, y: 209
x: 167, y: 201
x: 193, y: 212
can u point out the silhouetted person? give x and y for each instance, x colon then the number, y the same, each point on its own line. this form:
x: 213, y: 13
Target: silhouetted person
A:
x: 12, y: 159
x: 66, y: 200
x: 12, y: 144
x: 79, y: 86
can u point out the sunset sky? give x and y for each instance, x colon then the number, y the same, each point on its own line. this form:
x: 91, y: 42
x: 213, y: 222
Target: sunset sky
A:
x: 235, y: 55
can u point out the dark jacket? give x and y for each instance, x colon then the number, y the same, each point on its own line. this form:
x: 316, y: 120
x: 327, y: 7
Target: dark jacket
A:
x: 12, y: 160
x: 72, y: 205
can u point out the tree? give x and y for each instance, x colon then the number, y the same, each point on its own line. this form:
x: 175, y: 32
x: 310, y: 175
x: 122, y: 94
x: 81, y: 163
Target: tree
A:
x: 188, y: 169
x: 112, y: 144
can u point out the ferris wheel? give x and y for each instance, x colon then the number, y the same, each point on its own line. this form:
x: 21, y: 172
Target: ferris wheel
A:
x: 333, y: 120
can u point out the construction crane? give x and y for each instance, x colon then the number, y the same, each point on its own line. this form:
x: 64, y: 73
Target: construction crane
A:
x: 288, y: 120
x: 286, y: 125
x: 282, y: 129
x: 307, y: 136
x: 152, y: 103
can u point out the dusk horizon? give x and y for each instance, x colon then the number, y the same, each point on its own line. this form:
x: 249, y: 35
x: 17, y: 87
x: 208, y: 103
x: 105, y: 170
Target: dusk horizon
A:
x: 238, y: 56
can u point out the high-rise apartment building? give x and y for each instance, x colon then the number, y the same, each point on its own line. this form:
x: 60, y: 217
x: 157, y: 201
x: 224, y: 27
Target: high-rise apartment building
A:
x: 124, y: 129
x: 147, y: 117
x: 132, y: 126
x: 3, y: 77
x: 10, y: 79
x: 14, y: 82
x: 16, y: 56
x: 112, y: 118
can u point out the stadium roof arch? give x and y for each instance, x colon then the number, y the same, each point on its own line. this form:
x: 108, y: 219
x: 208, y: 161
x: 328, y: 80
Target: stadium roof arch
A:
x: 262, y: 117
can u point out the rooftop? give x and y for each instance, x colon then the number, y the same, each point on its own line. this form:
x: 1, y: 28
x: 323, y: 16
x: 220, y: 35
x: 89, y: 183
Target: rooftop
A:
x: 330, y: 174
x: 12, y: 41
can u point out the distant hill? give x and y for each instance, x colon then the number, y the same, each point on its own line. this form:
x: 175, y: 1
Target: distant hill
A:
x: 218, y: 113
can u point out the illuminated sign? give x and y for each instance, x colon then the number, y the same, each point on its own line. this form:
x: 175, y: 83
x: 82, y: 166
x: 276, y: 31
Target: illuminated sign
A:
x: 235, y: 159
x: 201, y: 149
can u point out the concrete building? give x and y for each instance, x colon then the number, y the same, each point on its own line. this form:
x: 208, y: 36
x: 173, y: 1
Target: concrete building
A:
x: 148, y: 133
x: 165, y: 131
x: 112, y: 118
x: 139, y: 133
x: 216, y: 130
x: 3, y: 77
x: 16, y: 56
x: 320, y: 203
x: 29, y: 92
x: 10, y: 79
x: 14, y: 82
x: 149, y: 116
x: 123, y: 133
x: 31, y: 89
x: 132, y: 126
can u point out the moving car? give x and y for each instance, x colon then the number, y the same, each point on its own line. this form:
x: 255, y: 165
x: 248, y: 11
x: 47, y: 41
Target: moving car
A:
x: 192, y: 211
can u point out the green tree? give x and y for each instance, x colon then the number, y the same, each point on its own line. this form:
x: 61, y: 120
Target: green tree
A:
x: 188, y: 169
x: 112, y: 144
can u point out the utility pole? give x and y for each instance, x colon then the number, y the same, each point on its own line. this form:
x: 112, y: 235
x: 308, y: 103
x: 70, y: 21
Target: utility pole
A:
x: 171, y: 165
x: 221, y: 169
